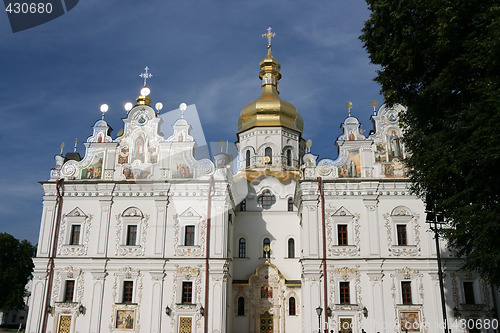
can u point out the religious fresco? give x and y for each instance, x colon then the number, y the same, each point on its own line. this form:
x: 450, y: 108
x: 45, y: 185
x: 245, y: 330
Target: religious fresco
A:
x: 182, y: 171
x: 94, y: 170
x: 381, y: 153
x: 134, y: 173
x: 266, y: 292
x: 353, y: 166
x: 139, y: 152
x: 394, y: 145
x: 125, y: 319
x: 410, y: 321
x: 124, y: 154
x: 395, y: 169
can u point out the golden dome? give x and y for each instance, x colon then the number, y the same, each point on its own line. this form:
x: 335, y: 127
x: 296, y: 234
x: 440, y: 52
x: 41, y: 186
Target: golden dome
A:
x: 269, y: 109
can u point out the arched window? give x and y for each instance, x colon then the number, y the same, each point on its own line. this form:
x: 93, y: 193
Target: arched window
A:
x: 266, y: 200
x: 241, y: 306
x: 291, y: 306
x: 291, y: 248
x: 247, y: 159
x: 243, y: 205
x: 289, y: 157
x: 290, y: 204
x: 242, y: 248
x: 267, y: 242
x: 269, y: 153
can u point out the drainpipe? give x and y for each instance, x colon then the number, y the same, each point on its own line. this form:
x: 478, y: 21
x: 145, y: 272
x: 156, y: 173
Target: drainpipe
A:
x: 207, y: 256
x: 323, y: 261
x: 50, y: 265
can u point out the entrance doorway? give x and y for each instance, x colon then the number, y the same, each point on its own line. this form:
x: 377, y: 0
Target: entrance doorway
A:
x: 345, y: 325
x: 266, y: 323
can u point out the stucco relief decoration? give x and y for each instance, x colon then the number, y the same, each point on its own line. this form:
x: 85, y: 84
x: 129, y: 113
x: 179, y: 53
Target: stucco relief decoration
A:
x: 403, y: 215
x: 352, y: 220
x: 345, y: 273
x: 63, y: 274
x: 131, y: 216
x: 118, y: 309
x: 76, y: 216
x: 407, y: 273
x: 189, y: 217
x: 183, y: 273
x: 325, y: 168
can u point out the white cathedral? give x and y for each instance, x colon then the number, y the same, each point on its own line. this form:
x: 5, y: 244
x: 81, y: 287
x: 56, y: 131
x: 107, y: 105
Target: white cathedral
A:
x: 139, y: 236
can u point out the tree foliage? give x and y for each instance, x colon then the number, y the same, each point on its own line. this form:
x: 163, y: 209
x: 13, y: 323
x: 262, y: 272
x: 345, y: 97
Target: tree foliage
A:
x: 441, y: 59
x: 15, y: 270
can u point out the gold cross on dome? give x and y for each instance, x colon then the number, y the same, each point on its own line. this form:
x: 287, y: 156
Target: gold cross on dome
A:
x: 269, y: 34
x: 146, y: 75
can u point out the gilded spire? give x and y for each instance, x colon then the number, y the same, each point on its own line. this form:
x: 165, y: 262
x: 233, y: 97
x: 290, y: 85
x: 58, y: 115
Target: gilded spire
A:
x: 269, y: 109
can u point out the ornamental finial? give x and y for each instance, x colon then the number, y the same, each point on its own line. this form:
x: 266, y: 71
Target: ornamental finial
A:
x: 146, y: 75
x: 269, y: 34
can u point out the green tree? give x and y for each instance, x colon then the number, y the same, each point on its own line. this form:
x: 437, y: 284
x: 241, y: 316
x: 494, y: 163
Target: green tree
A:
x: 441, y: 59
x: 15, y: 270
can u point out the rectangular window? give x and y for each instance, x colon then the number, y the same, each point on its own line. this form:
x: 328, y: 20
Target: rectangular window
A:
x: 187, y: 292
x: 189, y: 236
x: 75, y: 234
x: 131, y: 235
x: 128, y: 291
x: 342, y: 234
x: 469, y: 293
x: 69, y: 291
x: 344, y: 293
x: 406, y: 292
x: 402, y: 239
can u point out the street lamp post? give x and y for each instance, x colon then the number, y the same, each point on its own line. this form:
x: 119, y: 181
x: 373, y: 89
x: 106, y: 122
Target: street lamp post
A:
x: 319, y: 310
x: 436, y: 219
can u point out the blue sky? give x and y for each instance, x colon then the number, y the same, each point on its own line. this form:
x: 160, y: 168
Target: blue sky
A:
x: 203, y: 52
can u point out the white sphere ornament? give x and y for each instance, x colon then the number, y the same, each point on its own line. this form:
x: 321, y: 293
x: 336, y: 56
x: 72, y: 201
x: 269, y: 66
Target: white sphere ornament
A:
x: 159, y: 106
x: 183, y: 106
x: 104, y: 108
x: 145, y: 91
x: 128, y: 106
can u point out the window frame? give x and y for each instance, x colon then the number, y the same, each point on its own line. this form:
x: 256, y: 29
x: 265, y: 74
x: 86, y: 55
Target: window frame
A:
x: 75, y: 236
x: 131, y: 235
x: 290, y: 204
x: 240, y: 306
x: 128, y: 292
x: 467, y: 292
x: 242, y: 252
x: 266, y: 200
x: 342, y: 235
x: 292, y: 306
x: 402, y: 234
x: 187, y: 292
x: 406, y: 293
x: 69, y: 292
x: 291, y: 248
x: 247, y: 158
x: 344, y: 292
x: 189, y: 236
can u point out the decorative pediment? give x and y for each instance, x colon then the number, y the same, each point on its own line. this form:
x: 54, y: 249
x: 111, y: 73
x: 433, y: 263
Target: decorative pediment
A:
x: 77, y: 212
x: 342, y: 211
x: 132, y: 212
x: 190, y: 213
x: 401, y: 211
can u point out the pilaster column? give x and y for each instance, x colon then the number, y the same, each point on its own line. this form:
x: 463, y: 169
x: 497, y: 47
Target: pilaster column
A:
x: 371, y: 205
x: 95, y: 306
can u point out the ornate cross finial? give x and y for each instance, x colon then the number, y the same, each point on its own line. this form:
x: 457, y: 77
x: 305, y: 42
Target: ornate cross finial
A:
x: 269, y: 34
x: 146, y: 75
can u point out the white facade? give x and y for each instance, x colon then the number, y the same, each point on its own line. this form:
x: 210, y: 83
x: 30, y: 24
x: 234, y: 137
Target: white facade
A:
x: 132, y: 220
